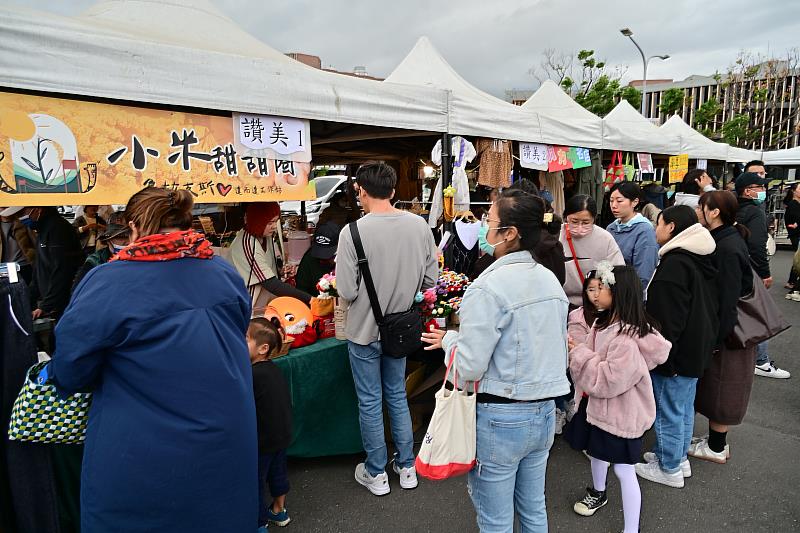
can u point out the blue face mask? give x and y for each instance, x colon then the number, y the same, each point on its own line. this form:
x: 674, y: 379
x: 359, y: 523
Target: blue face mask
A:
x: 485, y: 246
x: 27, y: 221
x: 761, y: 197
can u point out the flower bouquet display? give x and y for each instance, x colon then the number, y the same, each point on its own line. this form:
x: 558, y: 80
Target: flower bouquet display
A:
x: 443, y: 300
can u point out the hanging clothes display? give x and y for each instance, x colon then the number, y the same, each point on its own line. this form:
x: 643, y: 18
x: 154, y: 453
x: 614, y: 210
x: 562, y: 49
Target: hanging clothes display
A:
x: 590, y: 179
x: 28, y: 493
x: 465, y: 246
x: 554, y: 183
x: 495, y: 163
x: 462, y: 152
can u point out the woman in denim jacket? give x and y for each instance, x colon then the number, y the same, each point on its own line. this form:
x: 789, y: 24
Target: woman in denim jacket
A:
x: 513, y: 339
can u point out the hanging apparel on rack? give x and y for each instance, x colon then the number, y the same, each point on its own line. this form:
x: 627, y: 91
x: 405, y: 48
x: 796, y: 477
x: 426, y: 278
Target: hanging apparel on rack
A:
x: 28, y: 494
x: 462, y: 152
x: 495, y: 163
x: 465, y: 246
x: 554, y: 182
x: 590, y: 179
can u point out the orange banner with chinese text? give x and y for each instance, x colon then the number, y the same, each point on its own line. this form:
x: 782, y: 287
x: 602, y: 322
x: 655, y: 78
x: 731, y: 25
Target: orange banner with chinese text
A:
x: 56, y: 151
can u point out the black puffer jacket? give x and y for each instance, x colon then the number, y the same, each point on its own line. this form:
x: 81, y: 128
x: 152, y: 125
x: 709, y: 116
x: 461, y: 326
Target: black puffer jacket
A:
x: 754, y: 217
x: 735, y: 277
x: 682, y: 297
x: 59, y: 255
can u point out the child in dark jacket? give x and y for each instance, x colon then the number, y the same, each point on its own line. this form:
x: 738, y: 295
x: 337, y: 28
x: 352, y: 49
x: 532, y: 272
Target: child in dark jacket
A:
x: 273, y: 420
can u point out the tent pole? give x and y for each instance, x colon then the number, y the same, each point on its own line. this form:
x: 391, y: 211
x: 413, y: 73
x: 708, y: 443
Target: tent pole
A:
x: 447, y: 180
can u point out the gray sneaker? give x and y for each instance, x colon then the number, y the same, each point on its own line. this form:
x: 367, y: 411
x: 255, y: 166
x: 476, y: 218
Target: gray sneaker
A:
x: 377, y: 485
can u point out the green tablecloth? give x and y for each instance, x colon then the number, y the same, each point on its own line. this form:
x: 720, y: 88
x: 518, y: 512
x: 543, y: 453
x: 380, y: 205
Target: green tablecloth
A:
x: 324, y: 403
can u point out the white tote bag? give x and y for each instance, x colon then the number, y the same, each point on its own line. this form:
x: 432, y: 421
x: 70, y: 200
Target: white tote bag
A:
x: 448, y: 448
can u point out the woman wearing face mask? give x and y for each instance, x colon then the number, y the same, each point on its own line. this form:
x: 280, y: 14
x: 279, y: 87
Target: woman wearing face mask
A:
x: 724, y: 390
x: 115, y: 238
x: 695, y: 183
x: 632, y: 231
x: 253, y: 255
x: 585, y: 245
x: 513, y: 340
x: 682, y: 297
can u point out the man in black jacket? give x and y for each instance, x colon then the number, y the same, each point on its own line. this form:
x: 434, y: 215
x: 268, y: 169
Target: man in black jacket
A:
x: 59, y: 256
x: 752, y: 192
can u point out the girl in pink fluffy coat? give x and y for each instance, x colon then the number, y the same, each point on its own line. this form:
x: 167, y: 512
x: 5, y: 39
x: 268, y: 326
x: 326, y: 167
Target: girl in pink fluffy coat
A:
x: 611, y: 371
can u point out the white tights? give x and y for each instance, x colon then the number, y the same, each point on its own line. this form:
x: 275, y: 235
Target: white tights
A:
x: 629, y: 486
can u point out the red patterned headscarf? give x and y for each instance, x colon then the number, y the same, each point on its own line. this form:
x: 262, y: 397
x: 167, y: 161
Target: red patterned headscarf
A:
x: 166, y: 247
x: 258, y: 215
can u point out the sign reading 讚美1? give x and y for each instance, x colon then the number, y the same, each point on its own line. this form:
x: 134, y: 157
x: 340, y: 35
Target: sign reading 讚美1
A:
x: 56, y: 151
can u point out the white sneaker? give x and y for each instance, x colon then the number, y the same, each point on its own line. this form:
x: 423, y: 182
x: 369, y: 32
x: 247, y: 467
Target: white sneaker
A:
x: 408, y: 476
x: 377, y: 485
x: 794, y: 296
x: 700, y: 450
x: 652, y: 472
x: 561, y: 420
x: 769, y: 370
x: 695, y: 440
x: 686, y: 468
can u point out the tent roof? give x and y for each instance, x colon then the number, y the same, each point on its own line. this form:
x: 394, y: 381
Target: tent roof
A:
x: 563, y: 120
x: 186, y: 53
x: 741, y: 155
x: 624, y: 128
x: 788, y: 157
x: 694, y: 143
x: 472, y: 111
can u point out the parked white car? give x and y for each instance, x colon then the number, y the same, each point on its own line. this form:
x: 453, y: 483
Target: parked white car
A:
x: 327, y: 187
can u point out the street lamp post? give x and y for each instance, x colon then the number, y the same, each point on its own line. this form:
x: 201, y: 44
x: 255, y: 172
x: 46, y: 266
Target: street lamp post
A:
x: 645, y: 60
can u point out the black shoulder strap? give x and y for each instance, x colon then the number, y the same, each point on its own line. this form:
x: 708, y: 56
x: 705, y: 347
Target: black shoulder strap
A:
x: 363, y: 266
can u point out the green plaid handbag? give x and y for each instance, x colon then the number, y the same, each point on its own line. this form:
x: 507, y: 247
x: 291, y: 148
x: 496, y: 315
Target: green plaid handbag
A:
x: 39, y: 415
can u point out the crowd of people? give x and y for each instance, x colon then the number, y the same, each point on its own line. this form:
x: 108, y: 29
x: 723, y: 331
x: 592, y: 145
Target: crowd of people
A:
x: 612, y: 331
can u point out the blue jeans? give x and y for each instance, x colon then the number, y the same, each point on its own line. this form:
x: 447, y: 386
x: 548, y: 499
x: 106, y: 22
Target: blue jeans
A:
x: 514, y: 442
x: 379, y: 378
x: 762, y: 355
x: 674, y: 423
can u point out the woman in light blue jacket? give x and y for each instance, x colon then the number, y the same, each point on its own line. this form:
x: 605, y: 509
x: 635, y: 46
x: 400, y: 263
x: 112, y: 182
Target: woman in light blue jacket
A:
x: 634, y: 234
x: 513, y: 339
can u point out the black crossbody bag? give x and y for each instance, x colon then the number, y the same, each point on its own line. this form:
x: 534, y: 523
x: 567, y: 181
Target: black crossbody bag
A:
x: 400, y: 333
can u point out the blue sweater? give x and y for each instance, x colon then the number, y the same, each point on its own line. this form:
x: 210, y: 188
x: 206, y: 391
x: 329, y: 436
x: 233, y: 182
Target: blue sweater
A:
x: 637, y: 242
x: 171, y: 443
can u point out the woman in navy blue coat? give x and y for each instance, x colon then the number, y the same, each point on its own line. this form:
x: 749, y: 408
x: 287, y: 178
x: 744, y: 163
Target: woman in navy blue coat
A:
x: 158, y: 335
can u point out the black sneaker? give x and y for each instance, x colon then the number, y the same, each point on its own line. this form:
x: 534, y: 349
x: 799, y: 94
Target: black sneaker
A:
x: 590, y: 503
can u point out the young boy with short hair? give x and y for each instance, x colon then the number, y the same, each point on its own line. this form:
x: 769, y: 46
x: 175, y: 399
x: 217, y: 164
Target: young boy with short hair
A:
x: 273, y: 419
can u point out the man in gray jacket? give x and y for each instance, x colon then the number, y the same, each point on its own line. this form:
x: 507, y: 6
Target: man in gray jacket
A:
x: 402, y: 259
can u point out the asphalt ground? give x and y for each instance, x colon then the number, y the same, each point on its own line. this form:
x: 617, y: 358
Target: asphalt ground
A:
x: 756, y: 491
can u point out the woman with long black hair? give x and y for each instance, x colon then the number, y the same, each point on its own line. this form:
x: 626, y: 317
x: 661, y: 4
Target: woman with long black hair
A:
x: 792, y: 221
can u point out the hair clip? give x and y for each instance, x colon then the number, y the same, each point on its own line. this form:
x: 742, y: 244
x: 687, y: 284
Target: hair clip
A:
x: 548, y: 218
x: 605, y: 273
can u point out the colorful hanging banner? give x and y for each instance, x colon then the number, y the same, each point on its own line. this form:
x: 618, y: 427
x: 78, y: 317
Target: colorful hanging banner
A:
x: 56, y: 151
x: 580, y: 157
x: 557, y: 158
x: 678, y: 167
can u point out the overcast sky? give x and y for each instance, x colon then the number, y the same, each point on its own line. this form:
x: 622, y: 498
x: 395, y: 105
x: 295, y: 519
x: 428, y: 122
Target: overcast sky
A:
x: 493, y: 44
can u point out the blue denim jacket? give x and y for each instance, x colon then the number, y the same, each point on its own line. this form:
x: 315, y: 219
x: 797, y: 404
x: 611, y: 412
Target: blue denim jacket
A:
x: 513, y: 335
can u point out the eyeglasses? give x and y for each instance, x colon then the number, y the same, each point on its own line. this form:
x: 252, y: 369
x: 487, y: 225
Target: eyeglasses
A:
x: 485, y: 222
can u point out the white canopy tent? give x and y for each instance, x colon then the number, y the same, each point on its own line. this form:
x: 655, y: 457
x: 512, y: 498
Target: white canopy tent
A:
x: 741, y: 155
x: 694, y: 143
x: 563, y: 120
x: 789, y: 157
x: 624, y: 128
x: 472, y: 111
x: 187, y: 53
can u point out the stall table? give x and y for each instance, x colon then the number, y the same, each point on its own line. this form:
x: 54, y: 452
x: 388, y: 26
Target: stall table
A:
x: 324, y: 402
